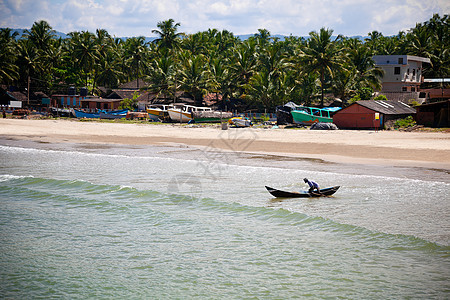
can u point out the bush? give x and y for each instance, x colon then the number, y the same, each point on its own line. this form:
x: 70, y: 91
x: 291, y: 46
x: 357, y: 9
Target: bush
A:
x: 380, y: 97
x: 404, y: 123
x: 356, y: 98
x: 365, y: 93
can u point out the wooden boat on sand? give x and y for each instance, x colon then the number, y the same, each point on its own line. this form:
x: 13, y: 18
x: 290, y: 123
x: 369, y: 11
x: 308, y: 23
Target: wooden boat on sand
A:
x: 310, y: 115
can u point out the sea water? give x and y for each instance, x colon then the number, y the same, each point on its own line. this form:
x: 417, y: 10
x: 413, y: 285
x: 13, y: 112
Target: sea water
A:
x: 102, y: 221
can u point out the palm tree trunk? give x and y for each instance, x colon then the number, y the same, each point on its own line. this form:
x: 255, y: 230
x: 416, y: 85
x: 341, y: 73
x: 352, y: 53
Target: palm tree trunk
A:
x: 322, y: 79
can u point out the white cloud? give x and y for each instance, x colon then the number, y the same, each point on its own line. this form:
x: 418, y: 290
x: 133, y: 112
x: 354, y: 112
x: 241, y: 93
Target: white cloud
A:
x: 297, y: 17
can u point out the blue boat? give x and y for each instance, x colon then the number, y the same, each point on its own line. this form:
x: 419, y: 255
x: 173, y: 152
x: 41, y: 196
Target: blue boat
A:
x: 102, y: 114
x: 117, y: 114
x: 81, y: 114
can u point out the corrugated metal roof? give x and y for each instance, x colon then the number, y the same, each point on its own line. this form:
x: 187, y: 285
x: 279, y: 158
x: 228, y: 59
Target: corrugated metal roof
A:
x: 436, y: 80
x: 387, y: 107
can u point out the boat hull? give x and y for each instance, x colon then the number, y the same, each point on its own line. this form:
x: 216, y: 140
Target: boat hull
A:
x: 118, y: 114
x: 303, y: 118
x: 211, y: 116
x: 81, y: 114
x: 159, y: 112
x: 240, y: 122
x: 175, y: 115
x: 283, y: 194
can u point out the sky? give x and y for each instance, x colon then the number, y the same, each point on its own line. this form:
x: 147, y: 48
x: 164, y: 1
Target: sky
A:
x: 126, y: 18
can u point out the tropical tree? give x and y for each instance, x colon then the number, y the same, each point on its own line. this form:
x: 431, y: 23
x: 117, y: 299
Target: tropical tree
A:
x: 84, y: 53
x: 243, y: 63
x: 322, y: 55
x: 307, y: 83
x: 8, y: 66
x: 220, y: 80
x: 169, y: 38
x: 162, y: 74
x: 29, y: 60
x: 41, y: 38
x: 136, y: 56
x: 362, y: 65
x: 193, y: 77
x: 41, y: 35
x: 419, y: 40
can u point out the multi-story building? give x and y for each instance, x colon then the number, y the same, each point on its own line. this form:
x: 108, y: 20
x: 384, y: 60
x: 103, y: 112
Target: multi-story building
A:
x: 402, y: 73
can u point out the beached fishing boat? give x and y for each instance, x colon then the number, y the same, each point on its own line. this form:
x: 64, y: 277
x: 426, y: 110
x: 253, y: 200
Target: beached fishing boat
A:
x: 240, y: 122
x: 211, y: 116
x: 117, y: 114
x: 186, y: 113
x: 82, y: 114
x: 310, y: 115
x: 159, y: 112
x: 283, y: 194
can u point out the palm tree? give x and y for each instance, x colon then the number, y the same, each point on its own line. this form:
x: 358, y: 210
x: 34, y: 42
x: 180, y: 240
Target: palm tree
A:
x: 168, y: 36
x: 321, y: 55
x: 41, y: 35
x: 8, y: 67
x: 136, y: 53
x: 193, y: 77
x: 84, y: 52
x: 307, y: 84
x: 243, y: 62
x: 162, y: 74
x: 365, y: 73
x: 419, y: 40
x: 109, y: 74
x: 263, y: 38
x: 221, y: 80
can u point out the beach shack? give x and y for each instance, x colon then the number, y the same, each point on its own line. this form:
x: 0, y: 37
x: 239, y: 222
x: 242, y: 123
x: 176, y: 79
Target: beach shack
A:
x: 371, y: 114
x: 435, y: 114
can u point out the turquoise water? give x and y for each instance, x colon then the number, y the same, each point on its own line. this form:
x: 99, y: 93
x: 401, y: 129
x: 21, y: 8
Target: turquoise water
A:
x: 78, y: 221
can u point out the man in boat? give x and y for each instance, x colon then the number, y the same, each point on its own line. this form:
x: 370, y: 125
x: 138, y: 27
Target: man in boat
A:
x: 313, y: 186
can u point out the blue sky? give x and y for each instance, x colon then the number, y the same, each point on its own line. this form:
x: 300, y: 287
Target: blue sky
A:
x: 297, y: 17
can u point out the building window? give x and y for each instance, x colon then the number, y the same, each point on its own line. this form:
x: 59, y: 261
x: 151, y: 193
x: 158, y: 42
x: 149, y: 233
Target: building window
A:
x: 413, y: 89
x: 400, y: 61
x: 396, y: 70
x: 414, y: 72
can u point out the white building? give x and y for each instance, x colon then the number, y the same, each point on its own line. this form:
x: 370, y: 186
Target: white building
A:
x: 402, y: 73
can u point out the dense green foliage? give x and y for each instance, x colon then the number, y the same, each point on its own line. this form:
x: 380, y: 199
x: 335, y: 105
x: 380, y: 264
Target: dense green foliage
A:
x: 261, y: 71
x: 404, y: 123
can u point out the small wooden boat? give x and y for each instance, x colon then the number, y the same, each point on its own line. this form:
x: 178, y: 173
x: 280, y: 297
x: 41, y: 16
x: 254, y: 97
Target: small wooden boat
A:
x: 117, y: 114
x: 211, y: 116
x: 82, y: 114
x: 159, y: 112
x: 183, y: 112
x: 240, y: 122
x: 310, y: 115
x: 283, y: 194
x: 198, y: 114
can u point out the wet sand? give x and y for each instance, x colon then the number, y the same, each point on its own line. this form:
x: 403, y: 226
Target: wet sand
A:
x: 391, y: 148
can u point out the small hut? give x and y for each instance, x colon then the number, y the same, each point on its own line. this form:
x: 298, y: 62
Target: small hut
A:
x: 368, y: 114
x: 436, y: 114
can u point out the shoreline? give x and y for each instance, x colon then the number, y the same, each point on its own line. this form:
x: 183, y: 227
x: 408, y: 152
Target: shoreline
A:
x: 390, y: 148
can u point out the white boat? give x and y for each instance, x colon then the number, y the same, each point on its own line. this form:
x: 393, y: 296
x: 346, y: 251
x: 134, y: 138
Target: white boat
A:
x: 183, y: 112
x: 158, y: 112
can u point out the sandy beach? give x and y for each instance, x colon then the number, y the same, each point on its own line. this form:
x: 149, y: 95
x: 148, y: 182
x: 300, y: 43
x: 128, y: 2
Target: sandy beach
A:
x: 393, y: 148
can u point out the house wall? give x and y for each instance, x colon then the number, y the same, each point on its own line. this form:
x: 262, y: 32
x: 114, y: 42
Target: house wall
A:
x: 66, y: 101
x: 434, y: 114
x: 402, y: 73
x: 357, y: 117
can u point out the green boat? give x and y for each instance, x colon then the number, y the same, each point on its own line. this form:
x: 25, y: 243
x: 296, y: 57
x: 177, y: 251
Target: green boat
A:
x: 310, y: 115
